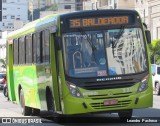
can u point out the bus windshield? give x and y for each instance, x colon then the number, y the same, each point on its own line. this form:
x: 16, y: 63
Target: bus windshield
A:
x: 104, y: 52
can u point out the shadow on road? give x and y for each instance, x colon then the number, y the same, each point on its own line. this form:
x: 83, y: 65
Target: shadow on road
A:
x: 150, y: 116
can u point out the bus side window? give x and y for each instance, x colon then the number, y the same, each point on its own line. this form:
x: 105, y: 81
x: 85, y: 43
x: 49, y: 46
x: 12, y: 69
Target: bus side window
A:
x: 38, y: 49
x: 28, y: 41
x: 15, y: 51
x: 45, y: 46
x: 34, y: 49
x: 21, y: 52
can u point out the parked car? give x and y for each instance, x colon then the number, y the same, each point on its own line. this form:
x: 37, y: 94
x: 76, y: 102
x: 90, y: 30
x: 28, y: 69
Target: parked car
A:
x: 1, y: 78
x: 156, y: 78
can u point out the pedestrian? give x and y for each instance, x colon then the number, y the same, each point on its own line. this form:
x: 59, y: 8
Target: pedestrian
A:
x: 4, y: 81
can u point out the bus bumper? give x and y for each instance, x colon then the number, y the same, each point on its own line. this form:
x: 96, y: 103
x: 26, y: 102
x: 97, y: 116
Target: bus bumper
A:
x: 73, y: 105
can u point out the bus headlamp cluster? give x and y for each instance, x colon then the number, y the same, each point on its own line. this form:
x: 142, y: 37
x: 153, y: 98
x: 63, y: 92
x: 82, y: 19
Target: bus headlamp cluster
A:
x: 144, y: 84
x: 74, y: 90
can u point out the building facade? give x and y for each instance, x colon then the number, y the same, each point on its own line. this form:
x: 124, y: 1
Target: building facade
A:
x: 3, y: 36
x: 66, y: 6
x: 154, y: 18
x: 38, y: 4
x: 12, y: 11
x: 140, y: 5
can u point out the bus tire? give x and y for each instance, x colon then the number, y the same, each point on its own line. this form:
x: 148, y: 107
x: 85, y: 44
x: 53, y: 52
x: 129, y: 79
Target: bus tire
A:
x: 26, y: 111
x: 57, y: 118
x: 157, y: 88
x: 35, y: 112
x: 50, y: 101
x: 125, y: 114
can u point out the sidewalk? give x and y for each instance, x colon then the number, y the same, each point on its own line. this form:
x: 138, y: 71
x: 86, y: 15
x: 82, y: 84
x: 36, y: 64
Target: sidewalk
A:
x: 7, y: 108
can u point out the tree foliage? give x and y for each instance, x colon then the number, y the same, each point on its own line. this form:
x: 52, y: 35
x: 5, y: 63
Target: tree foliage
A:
x: 154, y: 49
x: 3, y: 62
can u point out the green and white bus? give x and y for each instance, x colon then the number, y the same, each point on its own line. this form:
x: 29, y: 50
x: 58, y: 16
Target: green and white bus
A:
x: 81, y: 62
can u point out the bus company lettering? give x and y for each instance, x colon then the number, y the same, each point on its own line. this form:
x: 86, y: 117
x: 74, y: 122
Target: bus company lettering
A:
x: 101, y: 21
x: 108, y: 79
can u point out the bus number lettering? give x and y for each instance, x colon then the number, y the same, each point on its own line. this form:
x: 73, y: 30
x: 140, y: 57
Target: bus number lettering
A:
x: 75, y: 23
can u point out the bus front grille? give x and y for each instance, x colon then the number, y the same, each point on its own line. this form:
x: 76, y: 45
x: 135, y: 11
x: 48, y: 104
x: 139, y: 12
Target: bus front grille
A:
x: 101, y: 105
x: 107, y: 96
x: 106, y: 85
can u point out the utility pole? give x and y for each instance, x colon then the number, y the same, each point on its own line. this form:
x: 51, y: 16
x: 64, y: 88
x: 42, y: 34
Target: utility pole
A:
x: 114, y: 4
x: 32, y: 10
x: 144, y: 14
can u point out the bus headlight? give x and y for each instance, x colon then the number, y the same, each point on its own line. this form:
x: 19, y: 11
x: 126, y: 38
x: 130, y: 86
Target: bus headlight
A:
x: 74, y: 90
x: 144, y: 84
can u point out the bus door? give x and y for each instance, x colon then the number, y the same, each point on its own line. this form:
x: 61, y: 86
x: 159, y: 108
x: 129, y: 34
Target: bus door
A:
x: 10, y: 80
x: 55, y: 71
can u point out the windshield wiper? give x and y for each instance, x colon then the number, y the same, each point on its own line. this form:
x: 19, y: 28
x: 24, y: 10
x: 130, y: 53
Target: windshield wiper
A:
x: 120, y: 33
x: 117, y: 37
x: 88, y: 39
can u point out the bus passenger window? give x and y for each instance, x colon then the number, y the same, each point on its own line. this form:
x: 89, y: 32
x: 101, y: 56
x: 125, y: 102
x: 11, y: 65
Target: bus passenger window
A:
x: 38, y: 51
x: 34, y: 48
x: 15, y: 49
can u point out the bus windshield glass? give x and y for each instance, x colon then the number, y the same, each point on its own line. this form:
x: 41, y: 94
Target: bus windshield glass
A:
x: 104, y: 53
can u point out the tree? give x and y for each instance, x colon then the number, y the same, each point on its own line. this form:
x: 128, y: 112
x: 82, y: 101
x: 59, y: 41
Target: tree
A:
x: 154, y: 49
x: 3, y: 62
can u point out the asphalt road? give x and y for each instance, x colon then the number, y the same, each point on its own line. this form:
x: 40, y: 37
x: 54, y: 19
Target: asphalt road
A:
x: 8, y: 109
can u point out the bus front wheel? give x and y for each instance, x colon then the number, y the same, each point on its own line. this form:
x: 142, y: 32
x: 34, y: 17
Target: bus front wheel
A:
x: 125, y: 114
x: 26, y: 111
x: 50, y: 102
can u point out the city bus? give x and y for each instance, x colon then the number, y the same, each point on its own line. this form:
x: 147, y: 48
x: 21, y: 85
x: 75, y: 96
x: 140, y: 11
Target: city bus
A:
x: 81, y: 62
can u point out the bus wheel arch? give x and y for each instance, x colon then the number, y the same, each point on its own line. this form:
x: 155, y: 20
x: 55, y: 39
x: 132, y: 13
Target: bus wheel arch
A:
x: 26, y: 111
x: 50, y: 100
x: 19, y: 89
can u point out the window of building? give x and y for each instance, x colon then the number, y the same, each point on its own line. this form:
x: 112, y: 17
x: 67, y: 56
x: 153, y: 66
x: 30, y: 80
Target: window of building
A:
x: 67, y: 7
x: 10, y: 24
x: 4, y: 1
x: 15, y: 51
x: 28, y: 42
x: 4, y: 17
x: 12, y: 17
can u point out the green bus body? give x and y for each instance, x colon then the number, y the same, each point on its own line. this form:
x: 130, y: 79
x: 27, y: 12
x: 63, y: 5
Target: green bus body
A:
x: 40, y: 81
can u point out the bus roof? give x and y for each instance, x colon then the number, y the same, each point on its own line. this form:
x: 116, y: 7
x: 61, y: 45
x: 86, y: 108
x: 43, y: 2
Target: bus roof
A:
x: 53, y: 19
x: 35, y: 26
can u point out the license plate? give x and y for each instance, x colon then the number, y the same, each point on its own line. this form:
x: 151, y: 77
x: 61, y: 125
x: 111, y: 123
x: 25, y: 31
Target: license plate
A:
x: 110, y: 102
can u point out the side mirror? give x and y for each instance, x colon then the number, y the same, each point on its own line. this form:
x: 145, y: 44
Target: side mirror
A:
x: 147, y: 33
x: 148, y: 36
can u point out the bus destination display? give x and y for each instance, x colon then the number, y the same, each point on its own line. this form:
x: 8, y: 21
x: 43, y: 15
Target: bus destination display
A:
x: 98, y: 21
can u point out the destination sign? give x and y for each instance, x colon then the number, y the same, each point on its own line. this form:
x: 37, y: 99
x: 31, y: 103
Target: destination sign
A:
x: 98, y: 21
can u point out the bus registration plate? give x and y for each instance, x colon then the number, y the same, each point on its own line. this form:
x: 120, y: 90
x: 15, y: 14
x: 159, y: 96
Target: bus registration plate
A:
x: 110, y: 102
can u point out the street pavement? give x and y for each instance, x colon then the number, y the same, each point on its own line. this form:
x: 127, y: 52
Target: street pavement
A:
x: 9, y: 109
